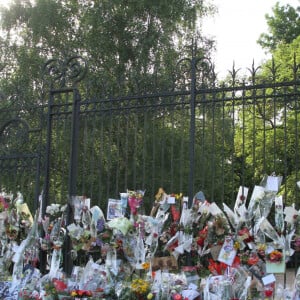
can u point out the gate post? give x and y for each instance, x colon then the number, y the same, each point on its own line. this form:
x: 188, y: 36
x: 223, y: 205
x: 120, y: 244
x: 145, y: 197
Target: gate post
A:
x: 68, y: 264
x: 61, y: 72
x: 192, y: 131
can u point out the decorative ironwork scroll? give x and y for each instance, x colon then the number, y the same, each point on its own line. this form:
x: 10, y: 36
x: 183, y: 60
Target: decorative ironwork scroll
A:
x: 67, y: 72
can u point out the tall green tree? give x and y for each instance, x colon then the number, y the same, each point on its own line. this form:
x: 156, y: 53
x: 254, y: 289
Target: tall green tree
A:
x: 131, y: 47
x: 283, y: 27
x: 120, y: 39
x: 272, y: 121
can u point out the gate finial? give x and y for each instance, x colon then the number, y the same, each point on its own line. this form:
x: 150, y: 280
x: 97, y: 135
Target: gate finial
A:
x: 65, y: 72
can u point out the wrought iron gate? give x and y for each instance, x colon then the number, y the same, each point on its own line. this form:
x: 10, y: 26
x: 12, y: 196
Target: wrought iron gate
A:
x: 195, y: 135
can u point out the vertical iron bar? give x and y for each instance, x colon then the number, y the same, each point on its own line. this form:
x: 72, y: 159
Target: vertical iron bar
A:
x: 92, y: 160
x: 254, y: 132
x: 264, y: 132
x: 126, y: 156
x: 192, y: 131
x: 274, y: 132
x: 144, y: 179
x: 223, y: 148
x: 45, y: 195
x: 118, y: 151
x: 172, y: 154
x: 72, y: 181
x: 243, y: 140
x: 45, y: 201
x: 153, y: 158
x: 100, y: 165
x: 107, y: 149
x: 296, y: 124
x: 213, y: 148
x: 135, y: 152
x: 203, y: 137
x: 37, y: 183
x: 182, y: 152
x: 232, y: 141
x: 163, y: 147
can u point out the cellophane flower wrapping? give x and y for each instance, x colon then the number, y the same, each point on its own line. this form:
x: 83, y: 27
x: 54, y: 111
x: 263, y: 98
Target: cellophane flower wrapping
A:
x: 135, y: 201
x: 193, y: 237
x: 121, y: 224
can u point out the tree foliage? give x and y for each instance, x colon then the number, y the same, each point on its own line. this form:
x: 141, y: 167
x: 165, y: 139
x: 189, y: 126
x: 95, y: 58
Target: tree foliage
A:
x: 283, y: 26
x: 123, y: 41
x: 131, y: 47
x: 268, y: 140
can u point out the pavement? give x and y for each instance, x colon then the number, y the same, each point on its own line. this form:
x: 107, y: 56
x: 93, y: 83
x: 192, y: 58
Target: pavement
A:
x: 287, y: 279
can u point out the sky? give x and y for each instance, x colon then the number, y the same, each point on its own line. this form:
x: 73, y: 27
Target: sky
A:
x: 236, y: 28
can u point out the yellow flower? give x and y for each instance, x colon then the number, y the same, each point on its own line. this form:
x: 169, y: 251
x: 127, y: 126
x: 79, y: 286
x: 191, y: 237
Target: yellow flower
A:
x: 178, y: 196
x: 140, y: 286
x: 149, y: 296
x: 261, y: 247
x: 237, y: 245
x: 146, y: 265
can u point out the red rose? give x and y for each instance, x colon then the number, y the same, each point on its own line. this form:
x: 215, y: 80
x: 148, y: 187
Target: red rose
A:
x: 59, y: 285
x: 177, y: 297
x: 175, y: 213
x: 268, y: 293
x: 200, y: 241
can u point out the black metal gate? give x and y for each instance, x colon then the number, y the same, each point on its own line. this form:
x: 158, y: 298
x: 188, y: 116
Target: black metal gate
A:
x: 196, y: 135
x: 20, y: 156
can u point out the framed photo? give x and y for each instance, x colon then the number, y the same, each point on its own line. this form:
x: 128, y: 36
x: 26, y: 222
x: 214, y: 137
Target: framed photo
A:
x: 114, y: 209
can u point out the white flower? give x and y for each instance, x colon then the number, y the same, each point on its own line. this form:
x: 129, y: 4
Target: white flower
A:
x: 63, y: 208
x: 53, y: 209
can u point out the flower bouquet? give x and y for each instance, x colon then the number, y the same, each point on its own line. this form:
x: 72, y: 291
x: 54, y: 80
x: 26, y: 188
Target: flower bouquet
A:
x: 140, y: 288
x: 275, y: 261
x: 61, y: 289
x: 81, y: 294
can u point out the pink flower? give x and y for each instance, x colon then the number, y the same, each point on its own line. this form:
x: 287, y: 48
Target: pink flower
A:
x: 134, y: 203
x: 177, y: 297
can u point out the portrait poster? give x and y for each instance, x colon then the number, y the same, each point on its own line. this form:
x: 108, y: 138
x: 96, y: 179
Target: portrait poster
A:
x: 114, y: 209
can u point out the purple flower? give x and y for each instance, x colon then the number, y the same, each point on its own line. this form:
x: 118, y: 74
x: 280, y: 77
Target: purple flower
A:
x: 99, y: 242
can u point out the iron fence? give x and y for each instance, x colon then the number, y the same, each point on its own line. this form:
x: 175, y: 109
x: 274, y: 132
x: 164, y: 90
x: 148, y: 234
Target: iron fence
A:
x: 196, y: 136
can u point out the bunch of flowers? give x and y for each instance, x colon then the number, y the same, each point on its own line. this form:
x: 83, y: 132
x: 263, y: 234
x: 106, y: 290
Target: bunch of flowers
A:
x: 52, y: 225
x: 189, y: 236
x: 140, y: 287
x: 28, y: 295
x: 135, y: 200
x: 50, y: 289
x: 18, y: 219
x: 176, y: 207
x: 178, y: 296
x: 275, y: 256
x: 248, y: 258
x: 12, y: 231
x: 60, y: 286
x: 81, y: 238
x: 216, y: 268
x: 218, y: 228
x: 81, y: 294
x: 4, y: 203
x: 55, y: 210
x: 261, y: 249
